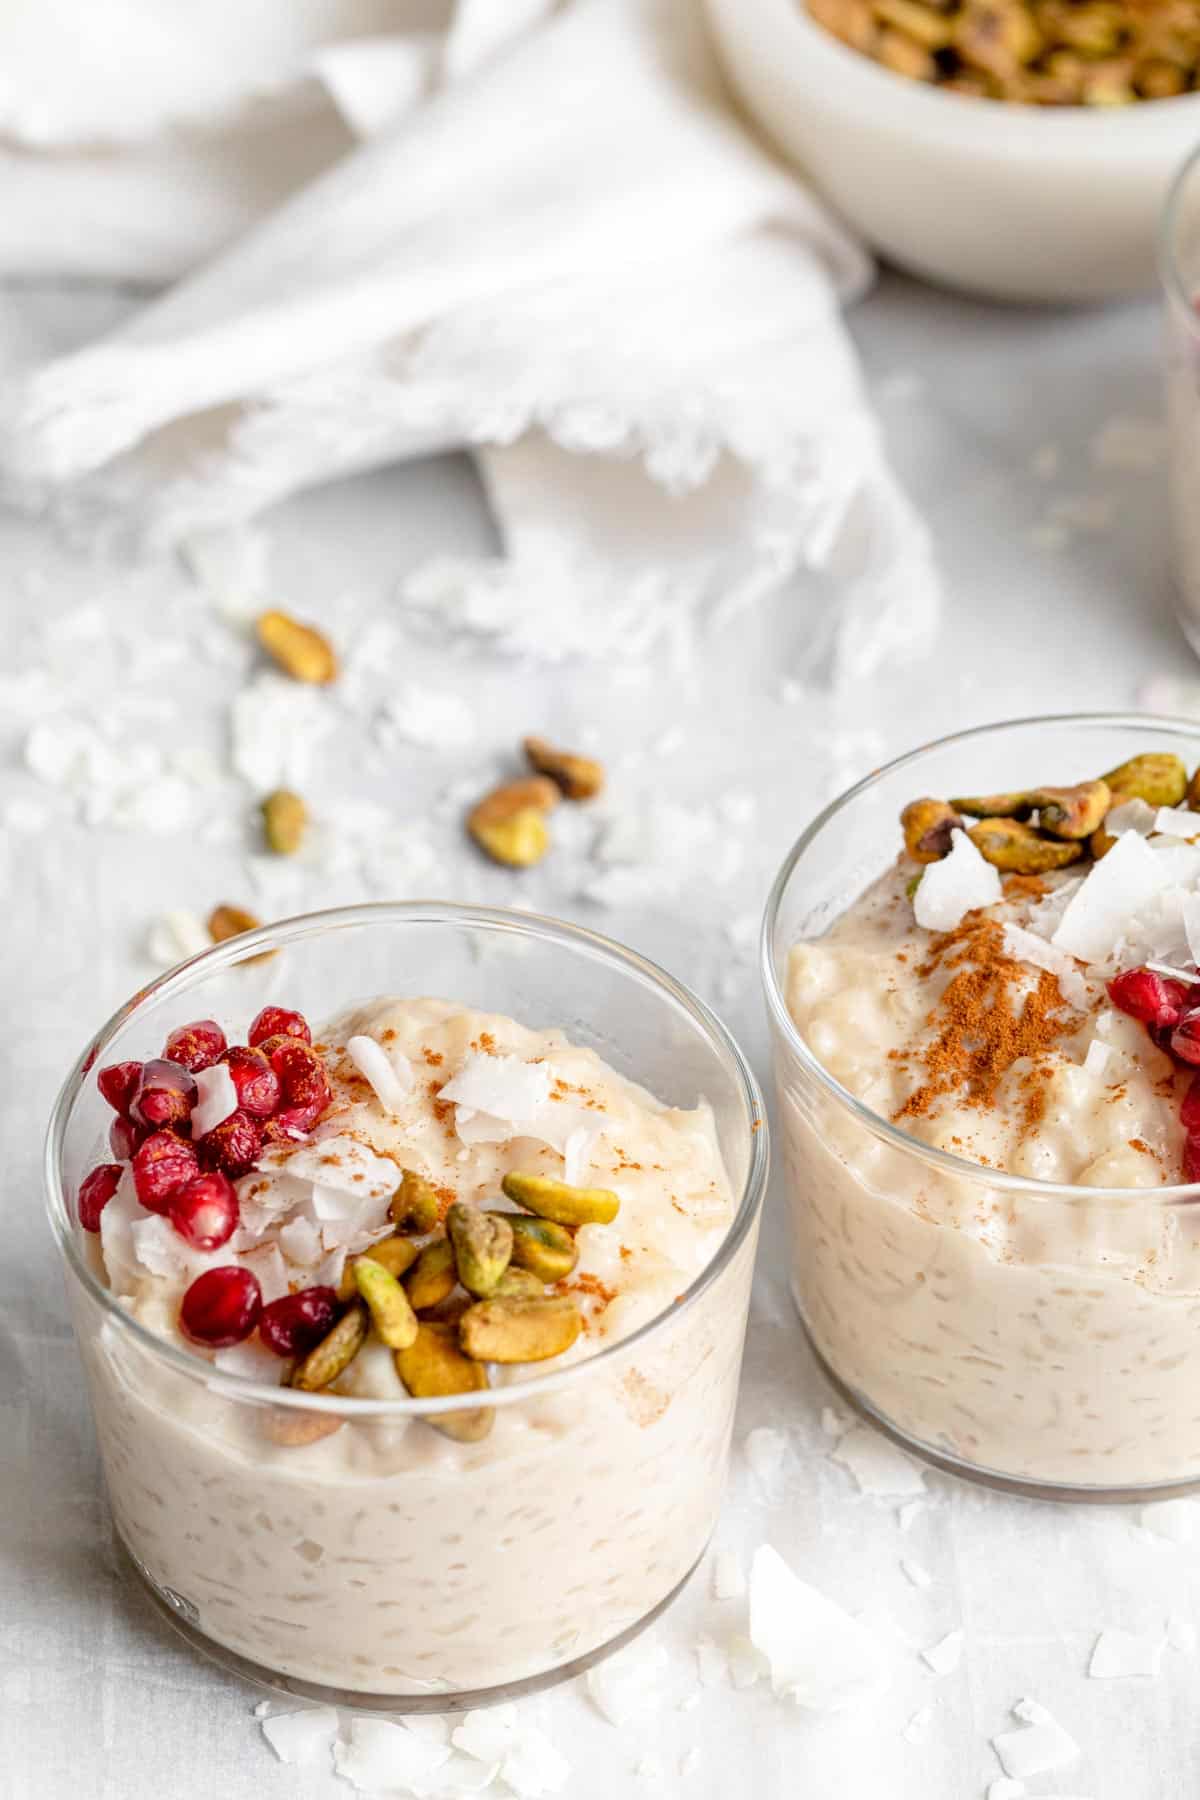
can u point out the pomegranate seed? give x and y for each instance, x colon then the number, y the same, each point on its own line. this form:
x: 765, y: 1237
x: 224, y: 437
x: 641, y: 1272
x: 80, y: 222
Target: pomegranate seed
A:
x: 301, y: 1074
x: 257, y: 1084
x: 196, y: 1046
x: 124, y: 1137
x: 118, y: 1084
x: 222, y: 1306
x: 1185, y: 1039
x: 234, y: 1146
x: 205, y: 1211
x: 295, y: 1324
x: 1154, y: 999
x: 275, y: 1021
x: 1191, y: 1158
x: 1189, y: 1112
x: 95, y: 1192
x: 292, y: 1123
x: 160, y: 1165
x: 165, y: 1095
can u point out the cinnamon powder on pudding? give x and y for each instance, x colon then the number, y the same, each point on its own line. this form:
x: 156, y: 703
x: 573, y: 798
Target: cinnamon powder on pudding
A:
x: 983, y: 1024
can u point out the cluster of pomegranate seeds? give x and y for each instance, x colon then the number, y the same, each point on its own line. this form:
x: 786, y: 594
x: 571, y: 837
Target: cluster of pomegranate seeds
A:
x: 164, y: 1096
x: 1170, y: 1011
x: 96, y: 1190
x: 221, y: 1307
x: 162, y: 1163
x: 295, y: 1324
x: 277, y: 1021
x: 204, y: 1211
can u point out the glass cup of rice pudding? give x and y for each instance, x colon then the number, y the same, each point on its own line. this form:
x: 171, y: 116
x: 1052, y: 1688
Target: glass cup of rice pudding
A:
x: 981, y: 974
x: 409, y: 1252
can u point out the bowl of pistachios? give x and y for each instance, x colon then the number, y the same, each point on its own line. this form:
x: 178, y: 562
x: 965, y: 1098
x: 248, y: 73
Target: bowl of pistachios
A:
x: 1016, y: 149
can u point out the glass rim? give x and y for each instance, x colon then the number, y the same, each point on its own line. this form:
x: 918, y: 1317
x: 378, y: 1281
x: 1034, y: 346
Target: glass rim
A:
x: 946, y: 1161
x: 1169, y: 270
x: 539, y: 926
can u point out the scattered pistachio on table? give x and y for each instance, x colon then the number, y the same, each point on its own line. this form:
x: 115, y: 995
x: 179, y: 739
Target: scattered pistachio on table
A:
x: 301, y: 651
x: 285, y: 821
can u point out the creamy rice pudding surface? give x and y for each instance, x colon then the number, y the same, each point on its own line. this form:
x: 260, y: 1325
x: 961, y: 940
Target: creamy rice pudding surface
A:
x: 393, y: 1555
x: 989, y: 995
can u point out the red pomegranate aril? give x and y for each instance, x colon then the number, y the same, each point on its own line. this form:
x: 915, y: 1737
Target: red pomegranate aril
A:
x: 196, y: 1046
x: 95, y: 1192
x: 165, y: 1095
x: 205, y: 1211
x: 233, y: 1146
x: 1189, y: 1112
x: 1152, y: 998
x: 118, y: 1084
x: 1185, y: 1039
x: 221, y: 1307
x: 295, y: 1324
x: 293, y: 1123
x: 124, y: 1137
x: 276, y: 1021
x: 301, y: 1074
x: 161, y: 1165
x: 258, y: 1087
x: 1191, y: 1157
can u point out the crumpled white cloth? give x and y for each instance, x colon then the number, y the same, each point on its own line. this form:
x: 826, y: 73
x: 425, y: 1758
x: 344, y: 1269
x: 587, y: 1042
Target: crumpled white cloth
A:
x: 554, y: 244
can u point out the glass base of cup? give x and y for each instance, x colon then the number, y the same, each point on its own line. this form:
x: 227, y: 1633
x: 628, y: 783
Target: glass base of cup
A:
x: 1022, y: 1486
x: 176, y: 1610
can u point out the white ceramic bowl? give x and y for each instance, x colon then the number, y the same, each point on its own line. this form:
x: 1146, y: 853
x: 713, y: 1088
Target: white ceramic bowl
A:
x: 1015, y: 203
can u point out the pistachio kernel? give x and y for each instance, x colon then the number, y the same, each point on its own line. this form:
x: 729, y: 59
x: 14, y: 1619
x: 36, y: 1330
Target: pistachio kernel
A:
x: 1100, y: 843
x: 927, y: 827
x: 579, y: 777
x: 910, y: 887
x: 396, y: 1254
x: 558, y: 1201
x: 433, y: 1277
x: 545, y: 1249
x: 301, y: 651
x: 1193, y: 792
x: 414, y: 1205
x: 1158, y: 778
x: 518, y: 1284
x: 335, y: 1352
x: 519, y: 1331
x: 1072, y: 812
x: 996, y: 806
x: 1018, y: 850
x: 434, y: 1367
x: 391, y: 1310
x: 509, y: 823
x: 292, y: 1429
x: 285, y: 821
x: 482, y: 1247
x: 225, y: 922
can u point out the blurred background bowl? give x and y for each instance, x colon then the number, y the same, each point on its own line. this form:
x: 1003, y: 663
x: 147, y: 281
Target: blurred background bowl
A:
x: 1009, y: 202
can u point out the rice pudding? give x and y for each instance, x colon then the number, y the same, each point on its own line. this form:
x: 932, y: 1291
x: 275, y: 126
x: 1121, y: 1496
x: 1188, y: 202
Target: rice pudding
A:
x: 989, y: 997
x: 471, y: 1206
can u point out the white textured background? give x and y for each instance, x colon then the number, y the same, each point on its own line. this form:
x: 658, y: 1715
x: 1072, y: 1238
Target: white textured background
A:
x: 97, y: 1701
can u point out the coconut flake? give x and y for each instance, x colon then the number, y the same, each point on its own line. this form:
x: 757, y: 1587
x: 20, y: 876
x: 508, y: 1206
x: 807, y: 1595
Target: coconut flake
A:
x: 818, y: 1655
x: 766, y: 1451
x: 1176, y: 821
x: 728, y: 1579
x: 217, y: 1099
x: 251, y: 1360
x: 524, y: 1756
x: 1118, y: 1654
x: 577, y: 1154
x: 1097, y: 1059
x: 383, y: 1757
x: 1042, y: 1744
x: 712, y: 1663
x: 626, y: 1688
x: 301, y: 1242
x: 268, y: 1267
x: 504, y: 1087
x: 390, y: 1075
x: 916, y: 1572
x: 1024, y: 946
x: 953, y: 887
x: 1109, y: 898
x: 176, y: 936
x: 747, y: 1664
x: 834, y: 1424
x: 1181, y: 1635
x: 909, y: 1513
x: 305, y: 1737
x: 1004, y: 1788
x: 340, y: 1163
x: 917, y: 1729
x: 1174, y: 1520
x: 428, y: 719
x: 1130, y: 815
x: 944, y: 1656
x: 877, y: 1466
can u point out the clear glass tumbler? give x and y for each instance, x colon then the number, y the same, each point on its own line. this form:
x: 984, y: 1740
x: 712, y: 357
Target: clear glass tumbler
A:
x: 1040, y: 1337
x: 1179, y: 266
x: 339, y: 1548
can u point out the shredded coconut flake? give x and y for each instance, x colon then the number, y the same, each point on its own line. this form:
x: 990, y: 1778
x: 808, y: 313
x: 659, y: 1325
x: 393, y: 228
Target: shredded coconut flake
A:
x: 944, y: 1657
x: 766, y: 1452
x: 1041, y: 1745
x: 1109, y: 897
x: 626, y: 1688
x: 1025, y: 946
x: 381, y: 1757
x: 1118, y: 1654
x: 818, y: 1655
x: 952, y: 888
x: 916, y: 1572
x: 728, y: 1579
x: 877, y: 1466
x: 175, y: 937
x: 1181, y: 1635
x: 390, y: 1075
x: 217, y: 1099
x: 917, y: 1729
x: 1174, y: 1520
x: 302, y: 1737
x: 503, y: 1087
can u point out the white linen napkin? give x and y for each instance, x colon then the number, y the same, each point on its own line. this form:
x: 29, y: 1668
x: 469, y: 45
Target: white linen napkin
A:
x: 555, y: 245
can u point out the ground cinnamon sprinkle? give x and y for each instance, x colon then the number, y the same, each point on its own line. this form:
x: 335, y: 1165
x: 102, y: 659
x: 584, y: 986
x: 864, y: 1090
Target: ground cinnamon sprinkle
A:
x: 980, y: 1033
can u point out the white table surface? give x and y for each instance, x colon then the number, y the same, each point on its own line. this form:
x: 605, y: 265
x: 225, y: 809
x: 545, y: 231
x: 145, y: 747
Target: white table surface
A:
x: 99, y: 1702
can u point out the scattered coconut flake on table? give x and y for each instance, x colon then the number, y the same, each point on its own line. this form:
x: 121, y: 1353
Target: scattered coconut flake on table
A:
x: 1174, y: 1520
x: 917, y: 1729
x: 390, y: 1075
x: 916, y: 1572
x: 1118, y: 1654
x: 302, y: 1737
x: 834, y: 1424
x: 427, y: 719
x: 766, y: 1451
x: 1039, y: 1746
x: 1005, y: 1788
x: 1108, y: 897
x: 1181, y: 1635
x: 876, y: 1465
x: 818, y: 1655
x: 523, y: 1754
x: 747, y: 1665
x: 175, y: 937
x: 944, y: 1656
x: 626, y: 1688
x: 728, y: 1580
x: 651, y: 1770
x: 951, y: 888
x: 382, y: 1757
x: 276, y: 726
x: 909, y: 1513
x: 712, y: 1663
x: 217, y: 1098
